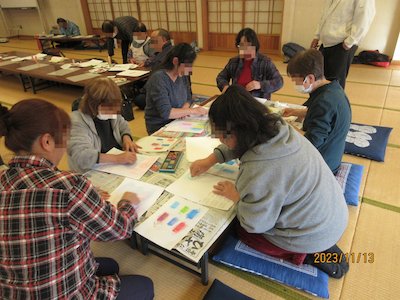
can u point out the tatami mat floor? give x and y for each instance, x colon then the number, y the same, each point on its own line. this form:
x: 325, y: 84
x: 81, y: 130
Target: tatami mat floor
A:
x: 373, y: 226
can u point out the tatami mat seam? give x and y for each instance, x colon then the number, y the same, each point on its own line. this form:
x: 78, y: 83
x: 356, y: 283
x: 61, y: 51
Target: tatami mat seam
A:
x: 382, y: 205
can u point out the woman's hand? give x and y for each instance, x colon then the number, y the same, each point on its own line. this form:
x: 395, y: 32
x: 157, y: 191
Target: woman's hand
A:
x: 200, y: 166
x: 103, y: 194
x: 199, y: 110
x: 228, y: 190
x: 129, y: 145
x: 129, y: 197
x: 125, y: 158
x: 314, y: 44
x: 253, y: 85
x: 297, y: 112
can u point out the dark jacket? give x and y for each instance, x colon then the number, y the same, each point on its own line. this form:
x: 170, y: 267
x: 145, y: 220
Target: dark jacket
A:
x: 262, y: 70
x: 327, y: 122
x: 125, y: 26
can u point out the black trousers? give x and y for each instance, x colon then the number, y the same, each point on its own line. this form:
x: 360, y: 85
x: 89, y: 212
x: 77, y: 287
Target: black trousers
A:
x: 132, y: 286
x: 337, y: 62
x: 124, y: 48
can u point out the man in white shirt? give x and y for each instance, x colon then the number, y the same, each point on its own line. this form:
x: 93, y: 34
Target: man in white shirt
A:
x: 343, y: 24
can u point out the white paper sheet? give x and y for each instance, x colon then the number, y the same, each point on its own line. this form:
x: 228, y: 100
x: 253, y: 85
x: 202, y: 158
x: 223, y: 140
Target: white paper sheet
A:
x: 171, y: 222
x: 200, y: 189
x: 147, y: 193
x: 200, y: 147
x: 63, y: 72
x: 134, y: 171
x: 156, y: 144
x: 17, y: 59
x: 8, y: 57
x: 133, y: 73
x: 38, y: 56
x: 122, y: 67
x: 83, y: 76
x: 33, y: 67
x: 90, y: 63
x: 185, y: 126
x: 7, y: 62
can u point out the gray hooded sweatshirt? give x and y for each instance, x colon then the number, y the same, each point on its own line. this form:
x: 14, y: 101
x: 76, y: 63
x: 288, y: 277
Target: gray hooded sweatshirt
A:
x: 289, y: 194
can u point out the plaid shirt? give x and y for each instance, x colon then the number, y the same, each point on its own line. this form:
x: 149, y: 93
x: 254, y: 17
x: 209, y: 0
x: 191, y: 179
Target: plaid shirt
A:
x: 47, y: 220
x: 262, y: 70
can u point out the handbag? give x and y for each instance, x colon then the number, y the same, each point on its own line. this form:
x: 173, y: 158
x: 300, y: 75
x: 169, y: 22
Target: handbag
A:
x: 126, y: 107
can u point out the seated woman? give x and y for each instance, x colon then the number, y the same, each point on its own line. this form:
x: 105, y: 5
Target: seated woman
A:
x: 289, y: 202
x: 250, y: 69
x: 48, y: 217
x: 168, y: 91
x: 98, y: 127
x: 140, y: 49
x: 327, y: 115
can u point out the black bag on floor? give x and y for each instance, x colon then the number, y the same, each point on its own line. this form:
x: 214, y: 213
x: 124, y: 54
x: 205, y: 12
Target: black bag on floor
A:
x: 290, y: 50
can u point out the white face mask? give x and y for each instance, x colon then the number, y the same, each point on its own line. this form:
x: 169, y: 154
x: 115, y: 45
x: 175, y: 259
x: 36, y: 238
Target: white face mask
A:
x: 114, y: 34
x: 139, y: 41
x: 105, y: 117
x: 301, y: 89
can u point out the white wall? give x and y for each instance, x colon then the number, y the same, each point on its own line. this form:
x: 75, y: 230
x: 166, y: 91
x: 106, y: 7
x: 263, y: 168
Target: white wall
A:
x: 302, y: 22
x: 396, y: 55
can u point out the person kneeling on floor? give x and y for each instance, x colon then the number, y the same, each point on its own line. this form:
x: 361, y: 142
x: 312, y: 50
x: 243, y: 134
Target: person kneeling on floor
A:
x: 289, y: 203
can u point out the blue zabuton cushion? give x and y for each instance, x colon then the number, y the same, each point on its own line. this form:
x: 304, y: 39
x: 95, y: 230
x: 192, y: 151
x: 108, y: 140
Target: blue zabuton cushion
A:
x: 236, y: 254
x: 349, y: 177
x: 367, y: 141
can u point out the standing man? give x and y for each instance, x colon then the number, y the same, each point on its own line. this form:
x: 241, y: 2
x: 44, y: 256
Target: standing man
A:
x: 343, y: 24
x: 121, y: 28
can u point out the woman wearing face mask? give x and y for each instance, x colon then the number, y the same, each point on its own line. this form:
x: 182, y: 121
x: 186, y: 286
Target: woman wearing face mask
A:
x: 289, y: 203
x: 168, y: 90
x: 250, y: 69
x: 98, y: 127
x: 327, y: 116
x: 140, y: 49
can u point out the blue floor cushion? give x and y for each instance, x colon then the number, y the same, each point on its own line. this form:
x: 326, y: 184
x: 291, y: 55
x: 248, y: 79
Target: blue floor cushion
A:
x: 349, y: 177
x: 238, y: 255
x: 219, y: 291
x: 367, y: 141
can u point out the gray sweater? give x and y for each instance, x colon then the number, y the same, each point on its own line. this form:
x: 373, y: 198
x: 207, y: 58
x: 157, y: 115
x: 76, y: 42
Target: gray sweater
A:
x: 288, y: 194
x: 163, y: 94
x: 84, y: 144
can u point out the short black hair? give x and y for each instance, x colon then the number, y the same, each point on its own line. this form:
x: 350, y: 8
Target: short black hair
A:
x: 250, y: 36
x: 236, y: 111
x: 306, y: 62
x: 61, y: 20
x: 140, y: 27
x: 108, y: 26
x: 183, y: 51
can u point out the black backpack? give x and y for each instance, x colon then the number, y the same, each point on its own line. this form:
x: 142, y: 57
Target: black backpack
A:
x: 290, y: 50
x: 372, y: 57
